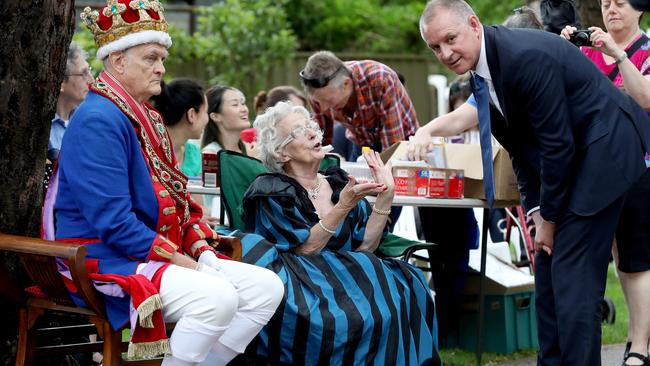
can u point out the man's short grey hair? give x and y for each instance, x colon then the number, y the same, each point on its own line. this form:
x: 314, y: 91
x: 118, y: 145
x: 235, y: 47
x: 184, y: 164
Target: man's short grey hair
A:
x: 458, y: 7
x: 74, y: 52
x: 323, y: 64
x: 269, y: 135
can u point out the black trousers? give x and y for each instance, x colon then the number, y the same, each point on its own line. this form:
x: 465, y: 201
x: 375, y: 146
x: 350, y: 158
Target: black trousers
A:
x: 569, y: 288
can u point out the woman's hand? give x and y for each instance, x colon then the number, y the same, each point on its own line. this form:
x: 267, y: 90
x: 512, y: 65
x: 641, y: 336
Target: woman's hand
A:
x: 352, y: 193
x: 603, y: 42
x: 568, y: 31
x: 382, y: 174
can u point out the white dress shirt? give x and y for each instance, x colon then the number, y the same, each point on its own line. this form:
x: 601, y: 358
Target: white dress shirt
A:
x: 483, y: 71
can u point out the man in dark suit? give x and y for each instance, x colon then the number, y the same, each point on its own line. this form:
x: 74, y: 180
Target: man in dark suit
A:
x: 577, y: 144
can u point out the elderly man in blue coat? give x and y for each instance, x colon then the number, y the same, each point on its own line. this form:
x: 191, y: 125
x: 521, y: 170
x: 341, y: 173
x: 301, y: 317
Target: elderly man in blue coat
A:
x: 119, y: 191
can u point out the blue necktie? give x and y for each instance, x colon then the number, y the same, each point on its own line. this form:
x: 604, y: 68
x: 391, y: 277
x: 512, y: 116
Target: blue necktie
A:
x: 482, y: 95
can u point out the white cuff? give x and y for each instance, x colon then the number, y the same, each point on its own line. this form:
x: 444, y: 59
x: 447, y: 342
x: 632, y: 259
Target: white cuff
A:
x: 532, y: 210
x: 209, y: 259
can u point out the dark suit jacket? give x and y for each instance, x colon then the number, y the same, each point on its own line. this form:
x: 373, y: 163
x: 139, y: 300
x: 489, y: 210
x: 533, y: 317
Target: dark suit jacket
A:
x: 576, y: 142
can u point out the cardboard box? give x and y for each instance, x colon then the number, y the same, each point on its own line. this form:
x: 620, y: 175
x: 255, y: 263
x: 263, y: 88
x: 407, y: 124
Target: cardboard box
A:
x: 467, y: 158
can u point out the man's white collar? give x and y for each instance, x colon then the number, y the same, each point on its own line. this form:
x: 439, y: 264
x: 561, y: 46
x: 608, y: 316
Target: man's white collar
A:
x: 482, y: 68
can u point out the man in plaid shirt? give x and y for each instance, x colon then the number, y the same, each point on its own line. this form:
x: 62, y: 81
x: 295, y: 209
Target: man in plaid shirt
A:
x: 364, y: 96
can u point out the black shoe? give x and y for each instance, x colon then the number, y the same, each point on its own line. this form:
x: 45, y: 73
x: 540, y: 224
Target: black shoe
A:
x: 645, y: 359
x: 628, y: 345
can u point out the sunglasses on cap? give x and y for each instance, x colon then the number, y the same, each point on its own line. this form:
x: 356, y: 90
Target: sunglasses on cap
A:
x: 318, y: 83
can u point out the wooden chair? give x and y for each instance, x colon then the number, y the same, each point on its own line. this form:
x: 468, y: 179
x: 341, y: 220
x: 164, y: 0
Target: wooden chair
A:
x: 49, y: 294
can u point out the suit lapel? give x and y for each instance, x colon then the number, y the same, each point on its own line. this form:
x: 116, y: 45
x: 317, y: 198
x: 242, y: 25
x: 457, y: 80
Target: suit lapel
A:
x: 493, y: 65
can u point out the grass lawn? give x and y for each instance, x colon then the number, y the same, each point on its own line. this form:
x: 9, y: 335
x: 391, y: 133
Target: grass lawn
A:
x: 614, y: 333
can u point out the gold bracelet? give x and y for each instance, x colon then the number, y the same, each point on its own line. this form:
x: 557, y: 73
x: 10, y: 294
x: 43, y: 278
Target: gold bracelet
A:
x: 380, y: 212
x: 330, y: 231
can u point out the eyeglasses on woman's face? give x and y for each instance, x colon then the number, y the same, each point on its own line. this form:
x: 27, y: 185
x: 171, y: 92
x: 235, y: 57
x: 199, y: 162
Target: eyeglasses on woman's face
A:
x: 300, y: 132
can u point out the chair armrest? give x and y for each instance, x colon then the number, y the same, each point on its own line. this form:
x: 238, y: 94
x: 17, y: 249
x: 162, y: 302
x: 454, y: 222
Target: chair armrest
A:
x: 38, y: 257
x: 26, y: 245
x: 229, y: 245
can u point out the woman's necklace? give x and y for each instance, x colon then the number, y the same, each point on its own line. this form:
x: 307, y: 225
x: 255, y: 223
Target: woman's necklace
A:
x: 314, y: 192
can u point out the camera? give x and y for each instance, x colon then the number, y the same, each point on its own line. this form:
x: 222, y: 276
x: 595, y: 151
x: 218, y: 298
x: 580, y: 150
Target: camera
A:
x: 581, y: 37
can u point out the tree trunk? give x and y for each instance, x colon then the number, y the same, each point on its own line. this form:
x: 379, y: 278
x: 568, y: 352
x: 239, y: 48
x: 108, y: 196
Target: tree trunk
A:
x: 34, y: 35
x: 590, y: 14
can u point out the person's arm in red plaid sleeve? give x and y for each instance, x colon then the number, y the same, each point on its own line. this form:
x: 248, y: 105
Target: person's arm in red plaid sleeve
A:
x: 398, y: 114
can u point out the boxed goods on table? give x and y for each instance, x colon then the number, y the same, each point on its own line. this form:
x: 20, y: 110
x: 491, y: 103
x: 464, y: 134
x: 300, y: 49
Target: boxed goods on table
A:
x: 467, y: 158
x: 420, y: 180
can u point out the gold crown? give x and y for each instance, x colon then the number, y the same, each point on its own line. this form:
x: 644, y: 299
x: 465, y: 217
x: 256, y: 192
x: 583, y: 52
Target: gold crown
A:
x: 123, y: 17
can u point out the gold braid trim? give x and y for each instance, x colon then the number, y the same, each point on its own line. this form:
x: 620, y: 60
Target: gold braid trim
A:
x: 158, y: 166
x: 146, y: 310
x: 162, y: 252
x: 148, y: 349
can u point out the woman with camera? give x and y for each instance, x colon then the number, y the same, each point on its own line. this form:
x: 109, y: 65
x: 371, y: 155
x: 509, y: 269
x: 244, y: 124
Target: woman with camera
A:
x: 622, y: 53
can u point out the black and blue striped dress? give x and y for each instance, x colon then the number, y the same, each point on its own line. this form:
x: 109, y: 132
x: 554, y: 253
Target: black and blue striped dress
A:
x: 341, y: 306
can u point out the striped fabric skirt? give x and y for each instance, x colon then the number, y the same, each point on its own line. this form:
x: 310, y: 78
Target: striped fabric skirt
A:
x: 345, y: 308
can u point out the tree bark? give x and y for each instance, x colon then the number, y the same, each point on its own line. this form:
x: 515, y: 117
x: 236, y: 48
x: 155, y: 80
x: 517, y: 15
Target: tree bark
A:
x: 34, y: 35
x: 590, y: 14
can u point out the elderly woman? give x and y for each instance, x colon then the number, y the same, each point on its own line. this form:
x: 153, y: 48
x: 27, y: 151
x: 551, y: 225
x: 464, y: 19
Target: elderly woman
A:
x: 343, y: 304
x: 622, y: 54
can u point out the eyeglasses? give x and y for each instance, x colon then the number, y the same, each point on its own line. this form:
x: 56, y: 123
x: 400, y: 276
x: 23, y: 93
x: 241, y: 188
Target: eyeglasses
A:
x: 300, y: 132
x: 318, y: 83
x: 87, y: 73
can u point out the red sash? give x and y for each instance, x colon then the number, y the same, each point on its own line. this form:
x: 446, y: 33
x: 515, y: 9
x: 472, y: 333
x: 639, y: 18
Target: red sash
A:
x: 154, y: 139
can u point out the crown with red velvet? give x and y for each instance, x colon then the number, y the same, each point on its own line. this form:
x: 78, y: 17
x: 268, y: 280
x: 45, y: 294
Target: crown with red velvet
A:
x: 122, y: 24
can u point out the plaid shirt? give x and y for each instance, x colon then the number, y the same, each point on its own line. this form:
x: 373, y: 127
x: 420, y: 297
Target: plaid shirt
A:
x: 384, y: 112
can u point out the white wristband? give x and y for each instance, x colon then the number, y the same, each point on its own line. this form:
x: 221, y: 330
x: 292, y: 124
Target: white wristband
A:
x: 330, y: 231
x: 621, y: 58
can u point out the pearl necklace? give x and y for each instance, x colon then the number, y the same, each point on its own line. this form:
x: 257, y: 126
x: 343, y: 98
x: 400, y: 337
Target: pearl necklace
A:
x: 314, y: 192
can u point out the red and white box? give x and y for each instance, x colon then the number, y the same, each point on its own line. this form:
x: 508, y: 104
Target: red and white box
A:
x: 417, y: 179
x: 210, y: 169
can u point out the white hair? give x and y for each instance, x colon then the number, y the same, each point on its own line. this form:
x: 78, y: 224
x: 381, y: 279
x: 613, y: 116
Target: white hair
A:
x: 269, y: 136
x: 75, y: 52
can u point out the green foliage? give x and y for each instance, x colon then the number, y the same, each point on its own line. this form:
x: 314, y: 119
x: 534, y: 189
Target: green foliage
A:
x: 240, y: 40
x: 356, y: 26
x: 85, y: 39
x: 495, y: 12
x: 371, y: 26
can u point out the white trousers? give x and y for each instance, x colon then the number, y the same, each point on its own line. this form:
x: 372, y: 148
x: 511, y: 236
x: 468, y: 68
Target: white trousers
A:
x: 222, y: 311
